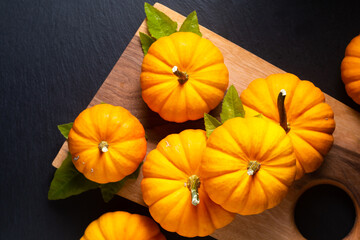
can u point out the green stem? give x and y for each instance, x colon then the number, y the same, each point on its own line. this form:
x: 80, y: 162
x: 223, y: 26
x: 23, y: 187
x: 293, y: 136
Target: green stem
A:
x: 193, y: 185
x: 282, y: 112
x: 253, y: 167
x: 182, y: 76
x: 103, y: 146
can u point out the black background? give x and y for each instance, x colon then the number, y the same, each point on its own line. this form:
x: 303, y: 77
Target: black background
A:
x: 54, y: 56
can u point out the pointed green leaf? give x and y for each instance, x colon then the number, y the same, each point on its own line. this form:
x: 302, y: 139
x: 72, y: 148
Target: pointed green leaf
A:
x: 65, y: 129
x: 232, y: 105
x: 135, y: 174
x: 191, y: 24
x: 68, y: 181
x: 159, y: 24
x: 146, y: 42
x: 210, y: 124
x: 108, y: 190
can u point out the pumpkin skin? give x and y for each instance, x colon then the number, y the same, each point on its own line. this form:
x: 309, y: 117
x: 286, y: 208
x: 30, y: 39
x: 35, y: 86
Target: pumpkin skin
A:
x: 124, y: 135
x: 203, y: 63
x: 310, y: 119
x: 350, y: 69
x: 230, y: 149
x: 166, y: 171
x: 122, y: 226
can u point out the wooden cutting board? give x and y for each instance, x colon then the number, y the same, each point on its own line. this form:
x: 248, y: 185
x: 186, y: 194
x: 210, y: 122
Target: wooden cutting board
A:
x: 341, y: 166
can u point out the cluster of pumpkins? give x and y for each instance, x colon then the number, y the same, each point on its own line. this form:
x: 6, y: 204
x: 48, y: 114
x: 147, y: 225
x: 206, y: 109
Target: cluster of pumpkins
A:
x: 194, y: 183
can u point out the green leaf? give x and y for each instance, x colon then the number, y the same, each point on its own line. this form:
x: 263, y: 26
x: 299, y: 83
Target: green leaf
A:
x: 146, y: 42
x: 191, y: 24
x: 65, y: 129
x: 68, y: 181
x: 135, y: 174
x: 108, y: 190
x: 232, y: 105
x: 210, y: 124
x: 159, y: 24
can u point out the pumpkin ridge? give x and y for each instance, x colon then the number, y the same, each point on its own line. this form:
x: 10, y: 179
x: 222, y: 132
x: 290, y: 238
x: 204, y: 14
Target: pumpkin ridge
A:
x: 291, y: 91
x: 186, y: 171
x: 208, y: 211
x: 270, y: 173
x: 223, y: 172
x: 257, y: 105
x: 175, y: 168
x: 310, y: 143
x: 259, y: 186
x: 214, y: 147
x: 244, y: 196
x: 100, y: 227
x: 201, y: 82
x: 165, y: 99
x: 159, y: 56
x: 235, y: 187
x: 187, y: 150
x: 105, y: 165
x: 195, y: 43
x: 200, y: 97
x: 165, y: 197
x: 83, y: 135
x: 270, y: 204
x: 234, y: 137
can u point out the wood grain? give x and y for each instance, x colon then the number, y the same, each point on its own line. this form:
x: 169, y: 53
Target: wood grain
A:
x: 341, y: 166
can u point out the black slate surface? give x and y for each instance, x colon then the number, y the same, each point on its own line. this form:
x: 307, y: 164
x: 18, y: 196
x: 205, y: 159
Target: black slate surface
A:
x: 54, y: 55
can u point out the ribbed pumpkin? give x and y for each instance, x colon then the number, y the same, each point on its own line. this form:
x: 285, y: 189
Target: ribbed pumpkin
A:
x: 248, y: 165
x: 183, y: 76
x: 307, y: 119
x: 172, y: 186
x: 106, y: 143
x: 350, y: 69
x: 122, y: 226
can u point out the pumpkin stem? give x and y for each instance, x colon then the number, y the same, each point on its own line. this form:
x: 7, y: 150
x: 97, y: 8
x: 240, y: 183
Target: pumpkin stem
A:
x: 193, y: 185
x: 282, y: 112
x: 253, y: 167
x: 183, y: 76
x: 103, y: 146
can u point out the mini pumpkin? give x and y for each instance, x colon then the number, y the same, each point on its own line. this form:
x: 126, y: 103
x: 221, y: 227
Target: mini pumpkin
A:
x: 248, y: 165
x: 183, y: 76
x: 300, y: 108
x: 106, y: 143
x: 172, y: 186
x: 350, y: 69
x: 122, y: 226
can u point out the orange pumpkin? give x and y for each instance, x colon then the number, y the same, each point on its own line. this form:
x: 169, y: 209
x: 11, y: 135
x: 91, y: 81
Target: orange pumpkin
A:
x: 122, y: 226
x: 172, y: 186
x: 106, y: 143
x: 307, y: 119
x: 248, y: 165
x: 183, y: 76
x: 350, y: 69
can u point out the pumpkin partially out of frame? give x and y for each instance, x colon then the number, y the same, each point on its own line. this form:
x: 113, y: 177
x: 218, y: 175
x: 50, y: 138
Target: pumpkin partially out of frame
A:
x: 350, y: 69
x: 183, y: 76
x: 122, y: 226
x: 106, y: 143
x: 300, y: 108
x: 172, y: 186
x: 248, y: 165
